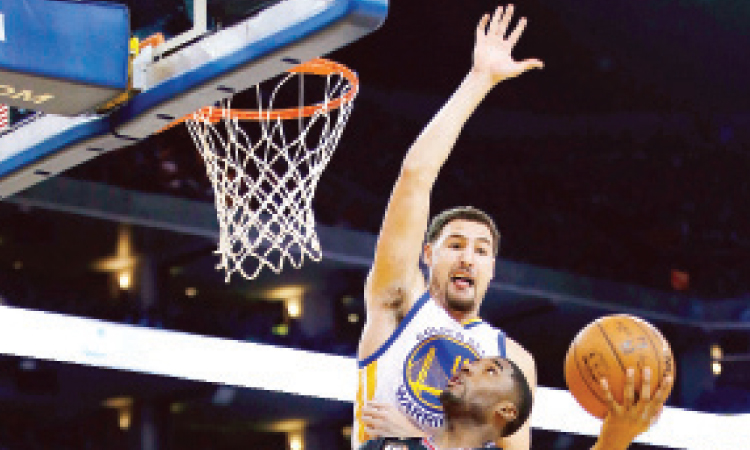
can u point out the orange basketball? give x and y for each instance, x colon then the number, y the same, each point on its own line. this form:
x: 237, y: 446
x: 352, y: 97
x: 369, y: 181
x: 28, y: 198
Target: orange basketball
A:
x: 606, y: 348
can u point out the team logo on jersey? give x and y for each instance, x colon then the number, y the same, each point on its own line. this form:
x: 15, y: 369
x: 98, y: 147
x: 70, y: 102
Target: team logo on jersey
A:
x: 438, y: 356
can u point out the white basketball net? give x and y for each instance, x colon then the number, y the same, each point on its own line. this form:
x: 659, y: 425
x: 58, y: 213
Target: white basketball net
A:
x: 264, y: 177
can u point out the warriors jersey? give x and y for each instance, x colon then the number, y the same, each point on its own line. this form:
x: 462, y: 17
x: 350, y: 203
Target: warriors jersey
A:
x: 410, y: 370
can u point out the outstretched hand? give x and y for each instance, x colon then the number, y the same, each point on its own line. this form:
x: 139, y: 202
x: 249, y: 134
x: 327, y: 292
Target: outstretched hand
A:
x: 624, y: 422
x: 494, y: 44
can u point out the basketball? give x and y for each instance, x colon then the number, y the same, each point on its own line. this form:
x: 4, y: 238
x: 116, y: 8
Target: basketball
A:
x: 605, y: 348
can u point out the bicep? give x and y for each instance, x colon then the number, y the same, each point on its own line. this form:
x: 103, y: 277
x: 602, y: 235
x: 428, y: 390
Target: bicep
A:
x: 521, y: 439
x: 525, y: 362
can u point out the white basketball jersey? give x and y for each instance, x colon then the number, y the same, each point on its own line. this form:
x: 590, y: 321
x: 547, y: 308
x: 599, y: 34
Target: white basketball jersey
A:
x: 410, y: 370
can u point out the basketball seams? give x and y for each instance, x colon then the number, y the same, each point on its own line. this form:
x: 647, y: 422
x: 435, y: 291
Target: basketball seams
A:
x: 583, y: 376
x: 611, y: 345
x: 657, y: 351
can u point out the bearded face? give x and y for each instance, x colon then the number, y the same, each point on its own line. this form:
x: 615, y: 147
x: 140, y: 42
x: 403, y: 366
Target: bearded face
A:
x: 462, y: 263
x: 478, y: 388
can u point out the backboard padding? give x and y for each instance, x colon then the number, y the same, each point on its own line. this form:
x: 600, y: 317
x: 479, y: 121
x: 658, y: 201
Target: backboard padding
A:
x: 58, y: 147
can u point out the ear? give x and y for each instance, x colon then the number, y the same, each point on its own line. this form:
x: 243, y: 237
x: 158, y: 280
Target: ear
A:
x: 506, y: 411
x: 427, y: 254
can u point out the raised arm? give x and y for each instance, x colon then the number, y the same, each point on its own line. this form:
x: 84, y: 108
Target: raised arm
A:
x: 395, y: 271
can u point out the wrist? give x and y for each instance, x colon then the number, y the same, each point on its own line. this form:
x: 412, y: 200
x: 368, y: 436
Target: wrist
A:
x: 604, y: 444
x: 612, y: 439
x: 482, y: 79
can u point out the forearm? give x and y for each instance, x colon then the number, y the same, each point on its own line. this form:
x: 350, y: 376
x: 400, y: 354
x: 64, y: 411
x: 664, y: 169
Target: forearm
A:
x: 406, y: 217
x: 433, y: 146
x: 601, y: 444
x: 491, y: 63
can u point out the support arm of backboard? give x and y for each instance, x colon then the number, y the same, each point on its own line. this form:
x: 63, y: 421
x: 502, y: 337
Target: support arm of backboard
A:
x: 220, y: 65
x: 200, y: 27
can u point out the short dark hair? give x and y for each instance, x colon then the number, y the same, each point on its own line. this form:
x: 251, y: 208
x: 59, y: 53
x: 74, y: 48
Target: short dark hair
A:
x: 524, y: 401
x: 463, y: 213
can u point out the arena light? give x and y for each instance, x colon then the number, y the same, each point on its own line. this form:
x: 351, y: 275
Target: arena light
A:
x: 96, y: 343
x: 716, y: 352
x: 124, y: 280
x: 294, y: 307
x: 296, y: 441
x: 124, y: 419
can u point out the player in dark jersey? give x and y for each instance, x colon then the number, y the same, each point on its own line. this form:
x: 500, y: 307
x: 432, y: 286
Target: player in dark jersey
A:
x: 485, y: 401
x: 490, y: 398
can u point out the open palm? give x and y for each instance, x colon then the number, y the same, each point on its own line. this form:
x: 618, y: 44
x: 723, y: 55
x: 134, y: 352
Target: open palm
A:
x: 492, y: 51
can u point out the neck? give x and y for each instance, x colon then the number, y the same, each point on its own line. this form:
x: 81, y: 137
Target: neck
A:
x: 460, y: 316
x: 457, y: 315
x: 465, y: 433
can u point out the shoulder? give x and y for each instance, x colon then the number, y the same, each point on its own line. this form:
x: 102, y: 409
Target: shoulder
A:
x: 517, y: 352
x: 519, y: 355
x: 513, y: 350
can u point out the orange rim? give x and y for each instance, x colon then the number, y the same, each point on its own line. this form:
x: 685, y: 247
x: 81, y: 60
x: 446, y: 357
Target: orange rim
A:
x: 153, y: 40
x: 317, y: 66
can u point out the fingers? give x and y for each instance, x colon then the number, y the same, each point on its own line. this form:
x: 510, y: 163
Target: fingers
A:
x: 493, y: 20
x: 373, y: 431
x: 529, y: 64
x: 502, y: 20
x: 515, y: 35
x: 498, y: 26
x: 373, y: 421
x: 629, y: 394
x: 645, y: 397
x: 656, y: 406
x: 645, y: 394
x: 492, y: 50
x: 664, y: 388
x: 482, y: 27
x: 374, y: 410
x: 373, y: 426
x: 612, y: 405
x: 652, y: 408
x: 499, y: 23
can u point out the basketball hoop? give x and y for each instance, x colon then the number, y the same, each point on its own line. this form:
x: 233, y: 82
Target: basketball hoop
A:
x: 264, y: 165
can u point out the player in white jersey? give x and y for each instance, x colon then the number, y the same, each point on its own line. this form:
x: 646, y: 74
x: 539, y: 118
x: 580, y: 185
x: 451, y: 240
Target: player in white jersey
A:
x: 427, y: 348
x: 418, y: 332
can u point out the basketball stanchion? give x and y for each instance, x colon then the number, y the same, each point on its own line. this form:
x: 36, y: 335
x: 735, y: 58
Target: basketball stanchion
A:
x: 264, y: 165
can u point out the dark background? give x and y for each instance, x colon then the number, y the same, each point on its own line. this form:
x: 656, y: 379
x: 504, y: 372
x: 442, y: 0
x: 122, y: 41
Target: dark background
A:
x: 618, y: 167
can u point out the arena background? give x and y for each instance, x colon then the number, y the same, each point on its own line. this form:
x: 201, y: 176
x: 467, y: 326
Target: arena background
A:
x: 617, y: 175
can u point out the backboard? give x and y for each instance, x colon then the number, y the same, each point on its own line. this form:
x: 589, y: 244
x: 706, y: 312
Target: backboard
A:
x: 214, y: 49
